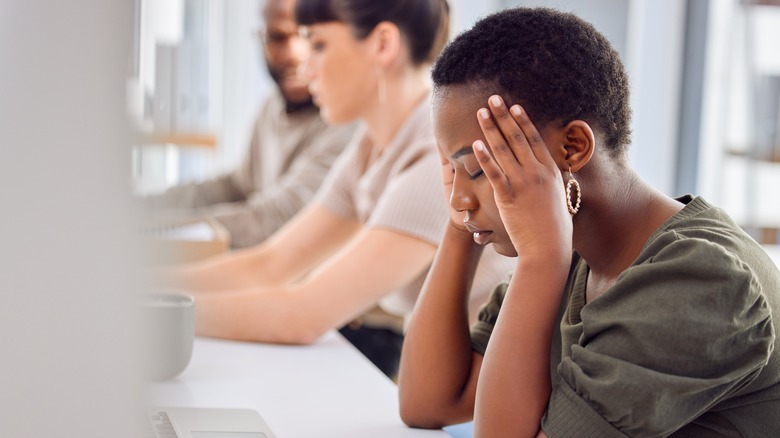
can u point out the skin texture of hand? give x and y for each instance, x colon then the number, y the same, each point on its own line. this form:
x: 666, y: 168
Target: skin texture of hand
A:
x: 527, y: 183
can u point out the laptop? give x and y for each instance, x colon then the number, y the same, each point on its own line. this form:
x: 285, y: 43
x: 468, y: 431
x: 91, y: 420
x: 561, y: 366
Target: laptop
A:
x: 178, y: 422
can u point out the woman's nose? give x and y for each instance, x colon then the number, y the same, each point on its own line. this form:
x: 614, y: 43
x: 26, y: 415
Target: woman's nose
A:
x: 462, y: 199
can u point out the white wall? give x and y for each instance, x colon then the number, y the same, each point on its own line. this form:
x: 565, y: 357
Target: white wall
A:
x: 465, y: 12
x: 244, y: 81
x: 654, y: 61
x: 743, y: 48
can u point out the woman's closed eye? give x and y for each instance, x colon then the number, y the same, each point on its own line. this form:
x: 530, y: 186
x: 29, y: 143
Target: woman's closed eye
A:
x: 476, y: 174
x: 472, y: 167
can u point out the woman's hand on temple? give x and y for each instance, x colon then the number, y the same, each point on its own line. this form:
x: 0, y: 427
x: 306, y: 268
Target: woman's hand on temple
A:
x: 527, y: 184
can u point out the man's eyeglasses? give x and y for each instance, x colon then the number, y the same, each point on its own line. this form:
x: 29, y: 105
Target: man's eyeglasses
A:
x: 273, y: 38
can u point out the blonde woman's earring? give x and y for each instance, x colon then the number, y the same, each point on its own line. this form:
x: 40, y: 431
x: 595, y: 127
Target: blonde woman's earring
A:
x: 571, y: 182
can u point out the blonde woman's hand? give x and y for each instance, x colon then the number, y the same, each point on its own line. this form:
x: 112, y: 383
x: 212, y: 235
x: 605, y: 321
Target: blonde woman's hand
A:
x: 527, y: 184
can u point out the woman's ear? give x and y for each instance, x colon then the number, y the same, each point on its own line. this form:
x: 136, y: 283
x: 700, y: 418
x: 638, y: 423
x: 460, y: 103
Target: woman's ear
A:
x: 579, y: 144
x: 387, y: 43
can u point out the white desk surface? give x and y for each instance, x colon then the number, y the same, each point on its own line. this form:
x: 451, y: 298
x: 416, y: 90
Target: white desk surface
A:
x: 327, y: 389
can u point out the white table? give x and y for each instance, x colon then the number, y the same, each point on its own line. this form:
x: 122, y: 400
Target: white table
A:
x: 327, y: 389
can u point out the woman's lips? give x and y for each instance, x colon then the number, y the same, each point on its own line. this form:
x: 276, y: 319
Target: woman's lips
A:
x: 482, y: 237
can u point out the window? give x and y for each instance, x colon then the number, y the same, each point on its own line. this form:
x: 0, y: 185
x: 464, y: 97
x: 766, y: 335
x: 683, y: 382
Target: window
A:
x: 196, y: 84
x: 740, y: 141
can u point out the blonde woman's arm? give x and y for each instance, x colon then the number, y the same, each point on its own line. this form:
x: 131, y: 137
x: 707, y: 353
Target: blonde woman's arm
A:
x: 373, y: 264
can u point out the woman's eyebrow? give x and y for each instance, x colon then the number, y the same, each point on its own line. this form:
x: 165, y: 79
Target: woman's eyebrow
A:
x: 462, y: 151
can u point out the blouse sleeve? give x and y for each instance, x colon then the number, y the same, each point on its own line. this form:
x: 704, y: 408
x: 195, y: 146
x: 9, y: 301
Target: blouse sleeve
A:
x: 487, y: 317
x: 674, y: 336
x: 336, y: 193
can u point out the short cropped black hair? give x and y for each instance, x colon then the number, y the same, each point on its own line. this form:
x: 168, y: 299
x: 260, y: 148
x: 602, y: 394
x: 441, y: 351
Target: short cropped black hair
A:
x: 554, y: 64
x: 424, y: 24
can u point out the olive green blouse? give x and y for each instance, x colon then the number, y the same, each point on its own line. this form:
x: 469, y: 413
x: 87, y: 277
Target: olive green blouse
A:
x: 683, y: 344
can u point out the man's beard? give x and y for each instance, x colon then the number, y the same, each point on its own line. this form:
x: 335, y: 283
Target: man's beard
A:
x: 290, y: 107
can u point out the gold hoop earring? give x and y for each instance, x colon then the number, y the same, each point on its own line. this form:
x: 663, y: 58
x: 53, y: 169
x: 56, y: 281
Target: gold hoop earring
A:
x: 571, y: 182
x: 382, y: 87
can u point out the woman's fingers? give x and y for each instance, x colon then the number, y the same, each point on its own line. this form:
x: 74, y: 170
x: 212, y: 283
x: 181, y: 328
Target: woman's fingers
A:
x: 515, y: 138
x: 531, y: 136
x: 493, y: 172
x: 498, y: 145
x: 517, y: 132
x: 514, y: 146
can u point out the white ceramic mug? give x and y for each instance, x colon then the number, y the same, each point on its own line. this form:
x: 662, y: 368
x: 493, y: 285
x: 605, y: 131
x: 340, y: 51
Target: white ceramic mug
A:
x: 168, y: 328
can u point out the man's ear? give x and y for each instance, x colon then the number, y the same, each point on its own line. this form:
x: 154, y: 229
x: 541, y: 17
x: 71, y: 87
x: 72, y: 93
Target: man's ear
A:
x: 579, y: 144
x: 386, y: 43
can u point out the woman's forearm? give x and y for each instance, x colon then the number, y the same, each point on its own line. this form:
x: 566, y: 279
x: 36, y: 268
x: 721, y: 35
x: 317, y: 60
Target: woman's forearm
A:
x: 274, y: 315
x: 436, y: 378
x: 236, y: 270
x: 516, y: 369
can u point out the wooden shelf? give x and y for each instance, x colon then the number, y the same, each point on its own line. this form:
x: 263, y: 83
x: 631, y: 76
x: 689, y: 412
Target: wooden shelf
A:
x: 763, y: 235
x: 199, y: 140
x: 762, y: 2
x: 769, y: 158
x: 770, y: 235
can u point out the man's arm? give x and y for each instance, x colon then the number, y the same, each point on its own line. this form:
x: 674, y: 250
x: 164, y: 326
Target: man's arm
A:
x: 230, y: 187
x: 265, y: 211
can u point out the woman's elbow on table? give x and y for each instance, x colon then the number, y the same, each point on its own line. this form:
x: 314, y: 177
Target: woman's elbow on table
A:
x: 417, y: 420
x: 419, y: 414
x: 301, y: 330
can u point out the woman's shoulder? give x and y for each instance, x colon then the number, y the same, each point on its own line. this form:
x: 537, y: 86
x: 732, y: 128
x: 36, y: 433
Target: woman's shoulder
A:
x: 704, y: 253
x: 699, y: 228
x: 414, y: 142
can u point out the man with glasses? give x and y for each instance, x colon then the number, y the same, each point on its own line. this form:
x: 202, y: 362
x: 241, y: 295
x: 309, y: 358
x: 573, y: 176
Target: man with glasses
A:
x: 290, y: 152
